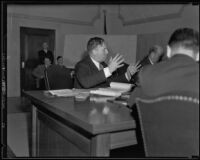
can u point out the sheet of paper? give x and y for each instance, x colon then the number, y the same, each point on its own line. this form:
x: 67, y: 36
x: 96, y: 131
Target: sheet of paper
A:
x: 63, y: 92
x: 68, y: 92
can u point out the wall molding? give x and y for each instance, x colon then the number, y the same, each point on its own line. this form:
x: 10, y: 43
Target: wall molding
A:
x: 58, y: 20
x: 150, y: 19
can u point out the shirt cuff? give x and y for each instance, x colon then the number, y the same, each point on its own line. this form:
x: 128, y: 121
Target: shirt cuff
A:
x: 107, y: 72
x: 127, y: 77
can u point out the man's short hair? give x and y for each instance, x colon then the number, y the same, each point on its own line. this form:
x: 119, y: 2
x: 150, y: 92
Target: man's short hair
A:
x: 59, y: 57
x: 93, y: 43
x: 185, y: 37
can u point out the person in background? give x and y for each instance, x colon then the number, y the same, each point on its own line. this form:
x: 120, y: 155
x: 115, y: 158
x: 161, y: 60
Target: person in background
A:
x: 39, y: 73
x: 45, y: 53
x: 154, y: 56
x: 179, y: 73
x: 60, y: 61
x: 93, y: 72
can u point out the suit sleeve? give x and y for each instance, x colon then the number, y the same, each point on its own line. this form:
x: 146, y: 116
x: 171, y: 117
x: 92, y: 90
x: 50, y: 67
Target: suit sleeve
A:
x: 87, y: 78
x: 118, y: 78
x: 119, y: 75
x: 40, y: 57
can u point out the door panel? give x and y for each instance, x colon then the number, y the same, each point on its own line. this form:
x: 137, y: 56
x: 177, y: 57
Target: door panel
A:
x: 31, y: 42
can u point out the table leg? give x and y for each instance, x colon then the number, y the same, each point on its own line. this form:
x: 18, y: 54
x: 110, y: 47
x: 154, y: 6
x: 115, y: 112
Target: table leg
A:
x: 100, y: 145
x: 34, y: 130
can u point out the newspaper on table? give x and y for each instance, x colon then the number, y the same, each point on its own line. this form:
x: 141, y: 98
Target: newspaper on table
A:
x: 69, y: 92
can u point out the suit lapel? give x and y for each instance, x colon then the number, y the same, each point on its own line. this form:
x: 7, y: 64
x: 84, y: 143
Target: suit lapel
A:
x: 92, y: 65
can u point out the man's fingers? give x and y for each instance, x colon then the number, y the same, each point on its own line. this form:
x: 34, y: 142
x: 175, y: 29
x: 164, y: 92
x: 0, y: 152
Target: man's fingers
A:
x: 138, y: 66
x: 137, y: 63
x: 120, y: 65
x: 120, y: 61
x: 118, y: 56
x: 110, y: 60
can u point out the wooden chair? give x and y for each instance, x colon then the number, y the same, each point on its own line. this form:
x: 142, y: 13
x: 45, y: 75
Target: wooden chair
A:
x: 58, y: 77
x: 169, y: 125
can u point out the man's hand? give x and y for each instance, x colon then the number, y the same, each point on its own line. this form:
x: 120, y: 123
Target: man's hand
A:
x: 133, y: 68
x: 115, y: 63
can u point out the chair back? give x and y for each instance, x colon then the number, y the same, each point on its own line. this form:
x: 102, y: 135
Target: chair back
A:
x: 58, y: 78
x: 169, y: 125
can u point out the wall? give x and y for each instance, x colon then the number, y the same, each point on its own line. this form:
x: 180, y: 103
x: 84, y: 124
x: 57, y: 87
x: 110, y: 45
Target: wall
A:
x: 86, y: 20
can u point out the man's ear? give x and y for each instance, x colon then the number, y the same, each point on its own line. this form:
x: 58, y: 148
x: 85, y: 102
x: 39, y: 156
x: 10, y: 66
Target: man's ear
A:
x: 169, y: 52
x: 197, y: 57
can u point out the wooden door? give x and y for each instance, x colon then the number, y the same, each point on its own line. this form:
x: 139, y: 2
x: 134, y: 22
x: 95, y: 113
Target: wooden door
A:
x: 31, y: 40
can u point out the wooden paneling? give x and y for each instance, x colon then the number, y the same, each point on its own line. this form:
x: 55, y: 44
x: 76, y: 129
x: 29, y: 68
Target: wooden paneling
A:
x: 54, y: 144
x: 67, y: 133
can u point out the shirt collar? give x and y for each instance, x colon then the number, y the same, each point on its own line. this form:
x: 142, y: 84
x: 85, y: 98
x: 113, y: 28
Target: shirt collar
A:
x: 150, y: 61
x: 95, y: 62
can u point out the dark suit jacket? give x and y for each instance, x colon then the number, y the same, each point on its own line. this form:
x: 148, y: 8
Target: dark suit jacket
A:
x: 87, y: 75
x: 143, y: 62
x: 177, y: 74
x: 42, y: 55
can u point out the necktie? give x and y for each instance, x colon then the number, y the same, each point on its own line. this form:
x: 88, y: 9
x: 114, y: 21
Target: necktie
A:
x: 46, y: 79
x: 100, y: 66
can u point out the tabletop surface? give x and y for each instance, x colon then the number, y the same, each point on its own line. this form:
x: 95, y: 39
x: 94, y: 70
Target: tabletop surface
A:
x: 94, y: 117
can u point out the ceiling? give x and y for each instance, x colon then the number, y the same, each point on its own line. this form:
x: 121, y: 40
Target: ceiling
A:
x: 129, y: 14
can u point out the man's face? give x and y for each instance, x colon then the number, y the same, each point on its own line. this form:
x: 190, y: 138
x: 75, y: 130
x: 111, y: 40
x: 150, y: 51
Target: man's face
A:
x: 47, y: 62
x: 100, y: 52
x: 60, y: 61
x: 155, y: 56
x: 45, y: 45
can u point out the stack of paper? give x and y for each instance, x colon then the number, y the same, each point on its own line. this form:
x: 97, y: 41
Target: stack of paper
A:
x: 106, y: 92
x: 115, y: 89
x: 122, y: 87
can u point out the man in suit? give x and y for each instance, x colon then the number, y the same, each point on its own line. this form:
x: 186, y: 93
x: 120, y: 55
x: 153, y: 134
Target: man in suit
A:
x: 180, y: 73
x: 45, y: 53
x: 39, y: 73
x: 154, y: 56
x: 93, y: 72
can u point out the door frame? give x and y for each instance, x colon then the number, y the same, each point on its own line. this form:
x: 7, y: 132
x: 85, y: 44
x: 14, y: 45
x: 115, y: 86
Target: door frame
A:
x: 27, y: 31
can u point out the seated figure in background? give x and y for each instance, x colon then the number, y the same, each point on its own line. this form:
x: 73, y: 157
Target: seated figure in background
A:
x: 154, y: 56
x: 93, y: 72
x: 60, y: 63
x: 39, y: 73
x: 179, y: 73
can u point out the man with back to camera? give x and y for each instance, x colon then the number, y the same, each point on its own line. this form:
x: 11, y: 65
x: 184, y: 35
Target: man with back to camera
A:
x: 93, y: 72
x: 45, y: 53
x: 180, y: 73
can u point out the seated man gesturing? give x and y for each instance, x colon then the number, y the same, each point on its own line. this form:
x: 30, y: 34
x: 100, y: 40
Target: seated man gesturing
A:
x: 93, y: 72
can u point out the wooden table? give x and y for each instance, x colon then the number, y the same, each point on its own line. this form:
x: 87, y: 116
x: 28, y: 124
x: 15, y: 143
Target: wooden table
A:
x: 62, y: 126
